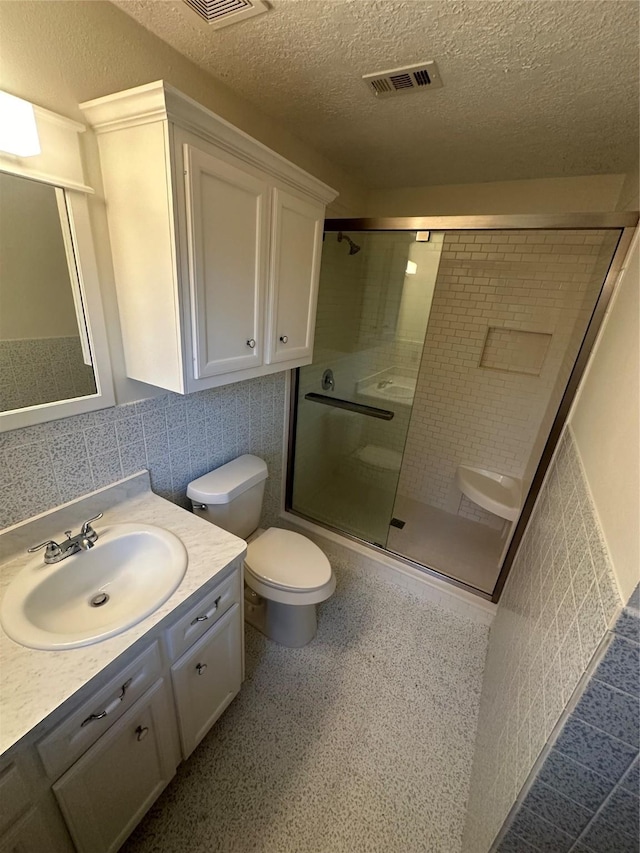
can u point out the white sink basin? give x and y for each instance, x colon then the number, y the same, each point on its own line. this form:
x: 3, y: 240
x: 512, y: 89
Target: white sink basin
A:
x: 136, y: 566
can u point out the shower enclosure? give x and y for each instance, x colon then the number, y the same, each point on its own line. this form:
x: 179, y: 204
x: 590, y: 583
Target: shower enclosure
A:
x: 447, y: 352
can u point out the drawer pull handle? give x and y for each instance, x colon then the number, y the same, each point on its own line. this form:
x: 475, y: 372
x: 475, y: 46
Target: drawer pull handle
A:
x: 284, y: 339
x: 208, y: 615
x: 124, y: 688
x: 93, y: 717
x: 142, y: 732
x: 102, y: 714
x: 251, y: 343
x: 201, y: 668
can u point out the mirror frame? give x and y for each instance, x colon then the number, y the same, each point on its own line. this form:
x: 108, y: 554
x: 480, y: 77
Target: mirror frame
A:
x: 60, y: 165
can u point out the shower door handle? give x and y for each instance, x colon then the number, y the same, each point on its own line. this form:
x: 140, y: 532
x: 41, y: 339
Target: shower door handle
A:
x: 359, y: 408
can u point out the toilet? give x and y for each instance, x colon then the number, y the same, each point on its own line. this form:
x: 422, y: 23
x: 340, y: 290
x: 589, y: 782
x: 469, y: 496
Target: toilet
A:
x: 286, y: 575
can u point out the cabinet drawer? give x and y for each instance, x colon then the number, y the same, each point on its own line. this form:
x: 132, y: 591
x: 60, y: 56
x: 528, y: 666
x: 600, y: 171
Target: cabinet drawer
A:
x: 60, y: 748
x: 14, y: 797
x: 106, y: 793
x: 207, y: 677
x: 203, y: 615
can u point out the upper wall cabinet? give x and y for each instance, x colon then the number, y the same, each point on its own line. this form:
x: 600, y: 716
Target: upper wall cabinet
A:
x: 216, y: 242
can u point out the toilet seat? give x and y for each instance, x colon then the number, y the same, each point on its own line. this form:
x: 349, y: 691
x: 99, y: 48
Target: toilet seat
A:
x: 287, y: 567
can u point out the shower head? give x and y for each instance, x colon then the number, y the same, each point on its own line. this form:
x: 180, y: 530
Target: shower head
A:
x: 353, y: 247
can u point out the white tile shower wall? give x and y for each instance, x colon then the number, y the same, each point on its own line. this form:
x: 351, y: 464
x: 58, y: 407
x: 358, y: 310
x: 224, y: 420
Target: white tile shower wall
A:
x: 469, y: 509
x: 465, y: 414
x: 557, y: 604
x: 360, y: 331
x: 582, y: 319
x: 328, y: 439
x: 383, y: 274
x: 176, y: 438
x: 42, y: 370
x: 348, y: 341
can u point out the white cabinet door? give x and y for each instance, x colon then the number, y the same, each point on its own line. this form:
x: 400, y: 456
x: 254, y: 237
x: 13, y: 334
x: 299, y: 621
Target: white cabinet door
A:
x: 227, y: 238
x: 107, y: 791
x: 207, y: 677
x: 28, y: 835
x: 296, y: 244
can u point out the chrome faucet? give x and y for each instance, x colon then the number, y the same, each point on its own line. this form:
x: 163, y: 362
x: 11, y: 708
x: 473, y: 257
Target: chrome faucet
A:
x: 82, y: 541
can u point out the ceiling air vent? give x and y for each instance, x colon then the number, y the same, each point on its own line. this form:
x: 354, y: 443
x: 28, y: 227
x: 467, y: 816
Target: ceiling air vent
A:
x: 399, y: 81
x: 222, y: 13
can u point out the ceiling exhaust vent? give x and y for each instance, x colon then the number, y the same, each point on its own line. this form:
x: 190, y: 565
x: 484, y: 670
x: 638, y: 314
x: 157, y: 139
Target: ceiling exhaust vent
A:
x: 222, y: 13
x: 399, y: 81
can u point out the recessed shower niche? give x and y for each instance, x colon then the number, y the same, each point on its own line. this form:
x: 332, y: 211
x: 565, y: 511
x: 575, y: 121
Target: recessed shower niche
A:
x: 452, y: 349
x: 515, y: 350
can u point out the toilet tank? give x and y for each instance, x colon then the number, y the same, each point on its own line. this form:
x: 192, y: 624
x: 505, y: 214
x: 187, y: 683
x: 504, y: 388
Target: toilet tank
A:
x: 231, y: 496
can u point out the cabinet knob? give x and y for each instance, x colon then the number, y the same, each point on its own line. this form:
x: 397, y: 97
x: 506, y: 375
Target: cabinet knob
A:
x: 201, y: 668
x: 251, y: 343
x: 142, y: 732
x: 284, y: 339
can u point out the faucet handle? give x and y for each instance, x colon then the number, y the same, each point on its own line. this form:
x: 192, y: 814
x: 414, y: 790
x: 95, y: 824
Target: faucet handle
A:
x: 87, y: 530
x: 53, y: 549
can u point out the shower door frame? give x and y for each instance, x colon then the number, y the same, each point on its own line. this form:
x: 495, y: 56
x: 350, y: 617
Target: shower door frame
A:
x: 625, y: 221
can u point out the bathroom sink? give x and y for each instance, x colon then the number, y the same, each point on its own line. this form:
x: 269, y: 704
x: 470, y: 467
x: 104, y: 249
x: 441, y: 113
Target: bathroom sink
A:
x: 92, y: 595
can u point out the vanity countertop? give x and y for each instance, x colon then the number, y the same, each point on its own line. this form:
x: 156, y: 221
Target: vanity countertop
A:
x: 35, y: 683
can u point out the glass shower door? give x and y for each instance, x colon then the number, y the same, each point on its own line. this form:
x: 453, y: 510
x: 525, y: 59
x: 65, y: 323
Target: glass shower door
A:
x: 354, y: 402
x: 351, y: 484
x: 450, y: 355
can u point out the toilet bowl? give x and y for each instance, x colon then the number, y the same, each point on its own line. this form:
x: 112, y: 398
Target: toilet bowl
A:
x: 286, y: 575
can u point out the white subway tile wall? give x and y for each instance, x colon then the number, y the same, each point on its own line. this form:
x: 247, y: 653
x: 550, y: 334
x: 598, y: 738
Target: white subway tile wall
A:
x: 469, y: 509
x: 540, y: 282
x: 176, y: 438
x: 558, y: 602
x: 42, y: 370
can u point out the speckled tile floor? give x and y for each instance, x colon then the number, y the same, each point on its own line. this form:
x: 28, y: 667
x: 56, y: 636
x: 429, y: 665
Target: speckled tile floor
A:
x: 361, y: 742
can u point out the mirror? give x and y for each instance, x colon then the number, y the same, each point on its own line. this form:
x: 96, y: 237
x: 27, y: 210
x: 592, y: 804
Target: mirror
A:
x: 45, y: 356
x: 54, y: 352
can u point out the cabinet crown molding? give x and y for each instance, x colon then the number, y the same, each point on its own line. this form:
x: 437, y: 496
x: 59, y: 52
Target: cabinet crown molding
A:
x: 159, y: 101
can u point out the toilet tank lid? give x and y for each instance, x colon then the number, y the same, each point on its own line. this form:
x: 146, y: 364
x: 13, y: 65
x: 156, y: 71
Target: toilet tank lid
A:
x: 227, y: 482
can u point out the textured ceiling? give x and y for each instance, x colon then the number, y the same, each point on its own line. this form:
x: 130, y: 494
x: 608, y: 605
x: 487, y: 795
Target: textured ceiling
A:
x: 532, y: 88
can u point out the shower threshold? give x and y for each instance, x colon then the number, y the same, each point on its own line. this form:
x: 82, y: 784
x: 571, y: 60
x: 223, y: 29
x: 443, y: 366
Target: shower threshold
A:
x: 389, y: 556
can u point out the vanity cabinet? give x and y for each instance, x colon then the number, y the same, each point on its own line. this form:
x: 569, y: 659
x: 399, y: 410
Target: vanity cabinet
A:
x: 206, y: 678
x: 81, y: 729
x: 107, y: 791
x: 25, y: 826
x: 28, y: 835
x: 102, y: 764
x: 216, y: 242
